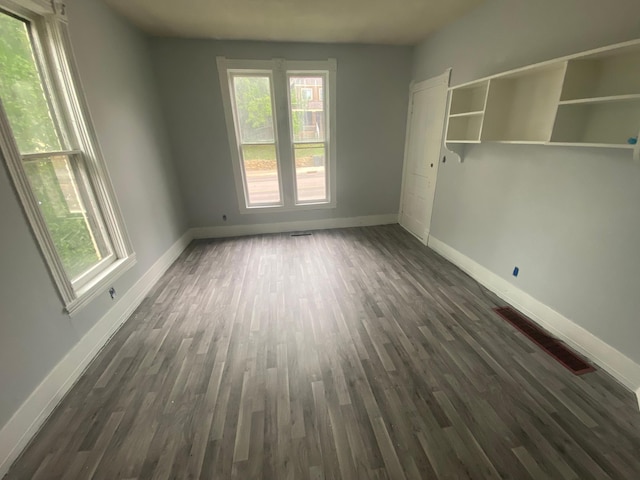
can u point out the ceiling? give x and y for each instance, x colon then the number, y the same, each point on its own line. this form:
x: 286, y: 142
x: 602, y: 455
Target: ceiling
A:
x: 396, y: 22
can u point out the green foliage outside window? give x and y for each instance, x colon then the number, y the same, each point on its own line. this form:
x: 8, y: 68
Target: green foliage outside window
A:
x: 24, y: 101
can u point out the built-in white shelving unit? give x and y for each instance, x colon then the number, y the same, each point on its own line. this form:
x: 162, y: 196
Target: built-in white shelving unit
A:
x: 590, y: 99
x: 466, y: 112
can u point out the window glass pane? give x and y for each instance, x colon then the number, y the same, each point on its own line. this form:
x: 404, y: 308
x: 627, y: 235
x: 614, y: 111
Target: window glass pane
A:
x: 21, y: 90
x: 311, y: 182
x: 261, y: 171
x: 307, y: 107
x: 59, y: 195
x: 253, y: 108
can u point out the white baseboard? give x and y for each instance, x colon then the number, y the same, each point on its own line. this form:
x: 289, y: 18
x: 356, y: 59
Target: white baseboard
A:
x: 323, y: 224
x: 625, y: 370
x: 31, y: 415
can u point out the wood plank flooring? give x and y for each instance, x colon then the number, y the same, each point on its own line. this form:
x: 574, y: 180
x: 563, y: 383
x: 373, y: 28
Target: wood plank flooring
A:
x: 353, y: 354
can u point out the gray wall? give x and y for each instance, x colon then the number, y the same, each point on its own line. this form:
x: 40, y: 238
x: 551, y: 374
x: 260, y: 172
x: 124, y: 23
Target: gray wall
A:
x: 568, y: 217
x: 372, y: 95
x: 113, y: 60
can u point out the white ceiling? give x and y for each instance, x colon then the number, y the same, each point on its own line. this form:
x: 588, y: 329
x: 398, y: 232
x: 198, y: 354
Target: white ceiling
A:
x: 399, y: 22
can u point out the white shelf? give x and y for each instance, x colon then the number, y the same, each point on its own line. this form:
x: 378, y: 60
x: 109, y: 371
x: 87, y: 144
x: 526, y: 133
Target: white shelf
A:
x: 590, y: 100
x: 605, y: 74
x: 464, y: 128
x: 611, y: 99
x: 466, y: 114
x: 595, y: 145
x: 518, y: 142
x: 469, y: 99
x: 522, y: 107
x: 597, y: 123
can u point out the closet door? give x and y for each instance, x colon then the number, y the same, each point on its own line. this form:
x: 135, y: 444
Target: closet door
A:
x: 422, y: 152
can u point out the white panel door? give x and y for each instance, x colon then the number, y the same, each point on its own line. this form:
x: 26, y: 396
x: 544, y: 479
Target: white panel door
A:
x: 422, y: 153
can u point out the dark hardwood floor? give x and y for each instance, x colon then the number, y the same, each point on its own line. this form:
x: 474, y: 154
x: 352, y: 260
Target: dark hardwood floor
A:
x: 354, y: 354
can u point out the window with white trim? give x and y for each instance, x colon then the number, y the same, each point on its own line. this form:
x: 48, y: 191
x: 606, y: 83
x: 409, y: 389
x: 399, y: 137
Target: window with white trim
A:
x: 52, y: 155
x: 281, y: 126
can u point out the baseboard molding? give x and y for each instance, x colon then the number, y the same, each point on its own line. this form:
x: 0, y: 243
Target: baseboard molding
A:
x: 32, y: 414
x: 625, y: 370
x: 323, y: 224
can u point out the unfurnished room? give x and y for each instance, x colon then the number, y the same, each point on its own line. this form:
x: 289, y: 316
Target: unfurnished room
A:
x: 350, y: 239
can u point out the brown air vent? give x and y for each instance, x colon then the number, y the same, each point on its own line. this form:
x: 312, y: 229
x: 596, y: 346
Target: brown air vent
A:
x: 550, y: 345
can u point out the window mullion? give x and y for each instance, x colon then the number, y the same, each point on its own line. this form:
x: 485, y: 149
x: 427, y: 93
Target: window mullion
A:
x: 285, y: 147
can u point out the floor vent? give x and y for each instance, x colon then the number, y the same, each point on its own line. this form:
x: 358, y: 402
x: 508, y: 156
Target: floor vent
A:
x: 550, y: 345
x: 300, y: 234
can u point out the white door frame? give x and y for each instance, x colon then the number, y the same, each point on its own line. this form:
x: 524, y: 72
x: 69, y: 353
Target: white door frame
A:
x: 444, y: 78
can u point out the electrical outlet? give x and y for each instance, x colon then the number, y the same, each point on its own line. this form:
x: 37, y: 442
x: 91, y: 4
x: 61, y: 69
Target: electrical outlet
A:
x: 112, y: 293
x: 516, y: 271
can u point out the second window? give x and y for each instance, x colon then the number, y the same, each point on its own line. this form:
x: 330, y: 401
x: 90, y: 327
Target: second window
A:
x: 281, y: 132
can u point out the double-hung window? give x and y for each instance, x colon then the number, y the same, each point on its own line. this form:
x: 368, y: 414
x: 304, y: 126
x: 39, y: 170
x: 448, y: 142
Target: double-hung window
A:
x: 52, y: 155
x: 281, y: 127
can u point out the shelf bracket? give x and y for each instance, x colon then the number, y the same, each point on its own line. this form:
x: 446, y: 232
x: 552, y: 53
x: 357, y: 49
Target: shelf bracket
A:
x: 457, y: 149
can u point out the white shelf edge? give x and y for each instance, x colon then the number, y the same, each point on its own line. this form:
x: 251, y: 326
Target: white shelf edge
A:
x: 467, y: 114
x: 622, y: 146
x: 553, y: 144
x: 609, y: 99
x: 518, y: 142
x: 473, y: 84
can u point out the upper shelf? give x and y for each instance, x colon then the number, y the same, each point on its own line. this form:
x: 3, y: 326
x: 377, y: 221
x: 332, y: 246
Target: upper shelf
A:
x: 588, y: 99
x: 606, y: 74
x: 469, y: 99
x: 522, y: 106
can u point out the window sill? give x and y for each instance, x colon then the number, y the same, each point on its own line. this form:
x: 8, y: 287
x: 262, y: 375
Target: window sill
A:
x: 96, y: 286
x: 284, y: 208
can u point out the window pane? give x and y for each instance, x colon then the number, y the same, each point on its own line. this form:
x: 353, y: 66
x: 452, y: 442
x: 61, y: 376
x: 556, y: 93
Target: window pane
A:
x: 311, y: 181
x: 253, y: 108
x: 58, y: 193
x: 21, y: 90
x: 307, y: 108
x: 261, y: 171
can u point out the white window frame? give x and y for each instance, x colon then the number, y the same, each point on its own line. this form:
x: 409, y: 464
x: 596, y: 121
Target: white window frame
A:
x: 280, y: 70
x: 61, y: 83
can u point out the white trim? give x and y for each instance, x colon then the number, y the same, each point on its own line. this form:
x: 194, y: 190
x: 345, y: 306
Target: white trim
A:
x: 323, y: 224
x: 97, y: 285
x: 40, y: 7
x: 621, y: 367
x: 27, y: 420
x: 442, y: 79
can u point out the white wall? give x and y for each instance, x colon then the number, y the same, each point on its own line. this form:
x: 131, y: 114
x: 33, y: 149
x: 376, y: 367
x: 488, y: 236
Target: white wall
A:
x: 372, y: 95
x: 113, y: 60
x: 568, y: 217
